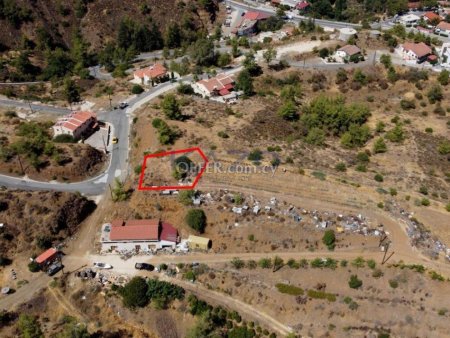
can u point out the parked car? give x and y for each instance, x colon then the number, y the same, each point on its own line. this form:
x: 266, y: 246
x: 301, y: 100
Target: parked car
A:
x: 102, y: 265
x: 54, y: 268
x: 123, y: 105
x: 144, y: 266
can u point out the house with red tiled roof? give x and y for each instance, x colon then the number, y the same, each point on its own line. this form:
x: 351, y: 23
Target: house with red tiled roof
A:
x: 348, y: 51
x: 78, y: 124
x: 303, y: 6
x: 155, y: 73
x: 138, y: 235
x: 431, y: 17
x: 415, y: 51
x: 248, y: 23
x: 220, y: 87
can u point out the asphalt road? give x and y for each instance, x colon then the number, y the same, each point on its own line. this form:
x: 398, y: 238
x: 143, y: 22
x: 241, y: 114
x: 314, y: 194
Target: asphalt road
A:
x: 32, y: 106
x: 120, y: 120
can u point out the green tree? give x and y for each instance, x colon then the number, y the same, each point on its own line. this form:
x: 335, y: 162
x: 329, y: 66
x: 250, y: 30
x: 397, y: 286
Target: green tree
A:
x: 356, y: 136
x: 329, y: 239
x: 224, y: 59
x: 196, y: 219
x: 244, y: 82
x: 386, y: 61
x: 29, y: 327
x: 270, y: 54
x: 288, y: 111
x: 315, y: 136
x: 171, y: 107
x: 444, y: 77
x: 137, y: 89
x: 379, y: 146
x: 134, y: 293
x: 119, y: 193
x: 435, y: 94
x: 396, y: 134
x: 71, y: 91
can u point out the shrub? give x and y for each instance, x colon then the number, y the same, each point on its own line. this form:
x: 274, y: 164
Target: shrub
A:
x: 265, y: 263
x: 315, y: 136
x: 329, y: 239
x: 425, y: 202
x: 64, y: 138
x: 444, y: 148
x: 371, y: 263
x: 378, y: 178
x: 137, y: 89
x: 185, y: 197
x: 185, y: 88
x: 134, y: 293
x: 396, y: 134
x: 407, y: 104
x: 237, y: 263
x: 251, y: 264
x: 322, y: 295
x: 340, y: 166
x: 29, y: 326
x: 33, y: 266
x: 377, y: 273
x: 223, y: 134
x: 289, y: 289
x: 354, y: 282
x: 255, y: 155
x: 379, y: 146
x: 196, y: 219
x: 435, y: 94
x: 393, y: 283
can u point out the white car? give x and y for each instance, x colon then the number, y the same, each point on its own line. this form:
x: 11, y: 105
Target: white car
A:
x: 102, y: 265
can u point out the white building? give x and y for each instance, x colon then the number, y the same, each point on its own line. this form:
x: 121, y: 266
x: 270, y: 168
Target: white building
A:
x: 443, y: 28
x: 409, y: 20
x: 219, y: 88
x: 348, y: 51
x: 444, y: 54
x: 77, y: 124
x: 154, y: 74
x: 141, y: 235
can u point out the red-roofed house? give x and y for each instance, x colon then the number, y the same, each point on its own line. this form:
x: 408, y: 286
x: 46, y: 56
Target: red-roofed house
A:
x: 415, y: 51
x: 154, y: 74
x: 247, y: 25
x: 47, y: 257
x: 219, y: 86
x: 303, y: 6
x: 138, y: 235
x: 77, y: 124
x: 431, y: 17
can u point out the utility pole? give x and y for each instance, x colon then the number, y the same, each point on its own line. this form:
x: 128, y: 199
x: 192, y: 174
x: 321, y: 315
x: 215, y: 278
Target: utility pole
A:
x: 374, y: 58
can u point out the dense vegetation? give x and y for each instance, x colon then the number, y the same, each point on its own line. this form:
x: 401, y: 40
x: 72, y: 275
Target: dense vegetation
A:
x: 355, y: 10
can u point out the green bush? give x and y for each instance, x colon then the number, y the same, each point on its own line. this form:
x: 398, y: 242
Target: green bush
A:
x: 255, y: 155
x: 237, y: 263
x: 137, y: 89
x: 378, y: 178
x: 340, y: 167
x: 185, y: 197
x: 289, y: 289
x: 379, y: 146
x: 329, y: 239
x: 33, y: 266
x: 196, y: 219
x: 265, y: 263
x: 354, y: 282
x: 64, y: 138
x: 393, y: 283
x: 134, y: 293
x: 321, y: 295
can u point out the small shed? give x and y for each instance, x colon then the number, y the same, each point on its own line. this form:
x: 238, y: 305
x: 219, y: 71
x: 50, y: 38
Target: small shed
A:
x: 197, y: 242
x: 47, y: 257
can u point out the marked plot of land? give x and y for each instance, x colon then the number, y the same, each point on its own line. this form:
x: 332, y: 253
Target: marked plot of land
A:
x: 178, y: 169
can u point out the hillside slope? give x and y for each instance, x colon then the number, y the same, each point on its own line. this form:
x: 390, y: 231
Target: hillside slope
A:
x: 99, y: 20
